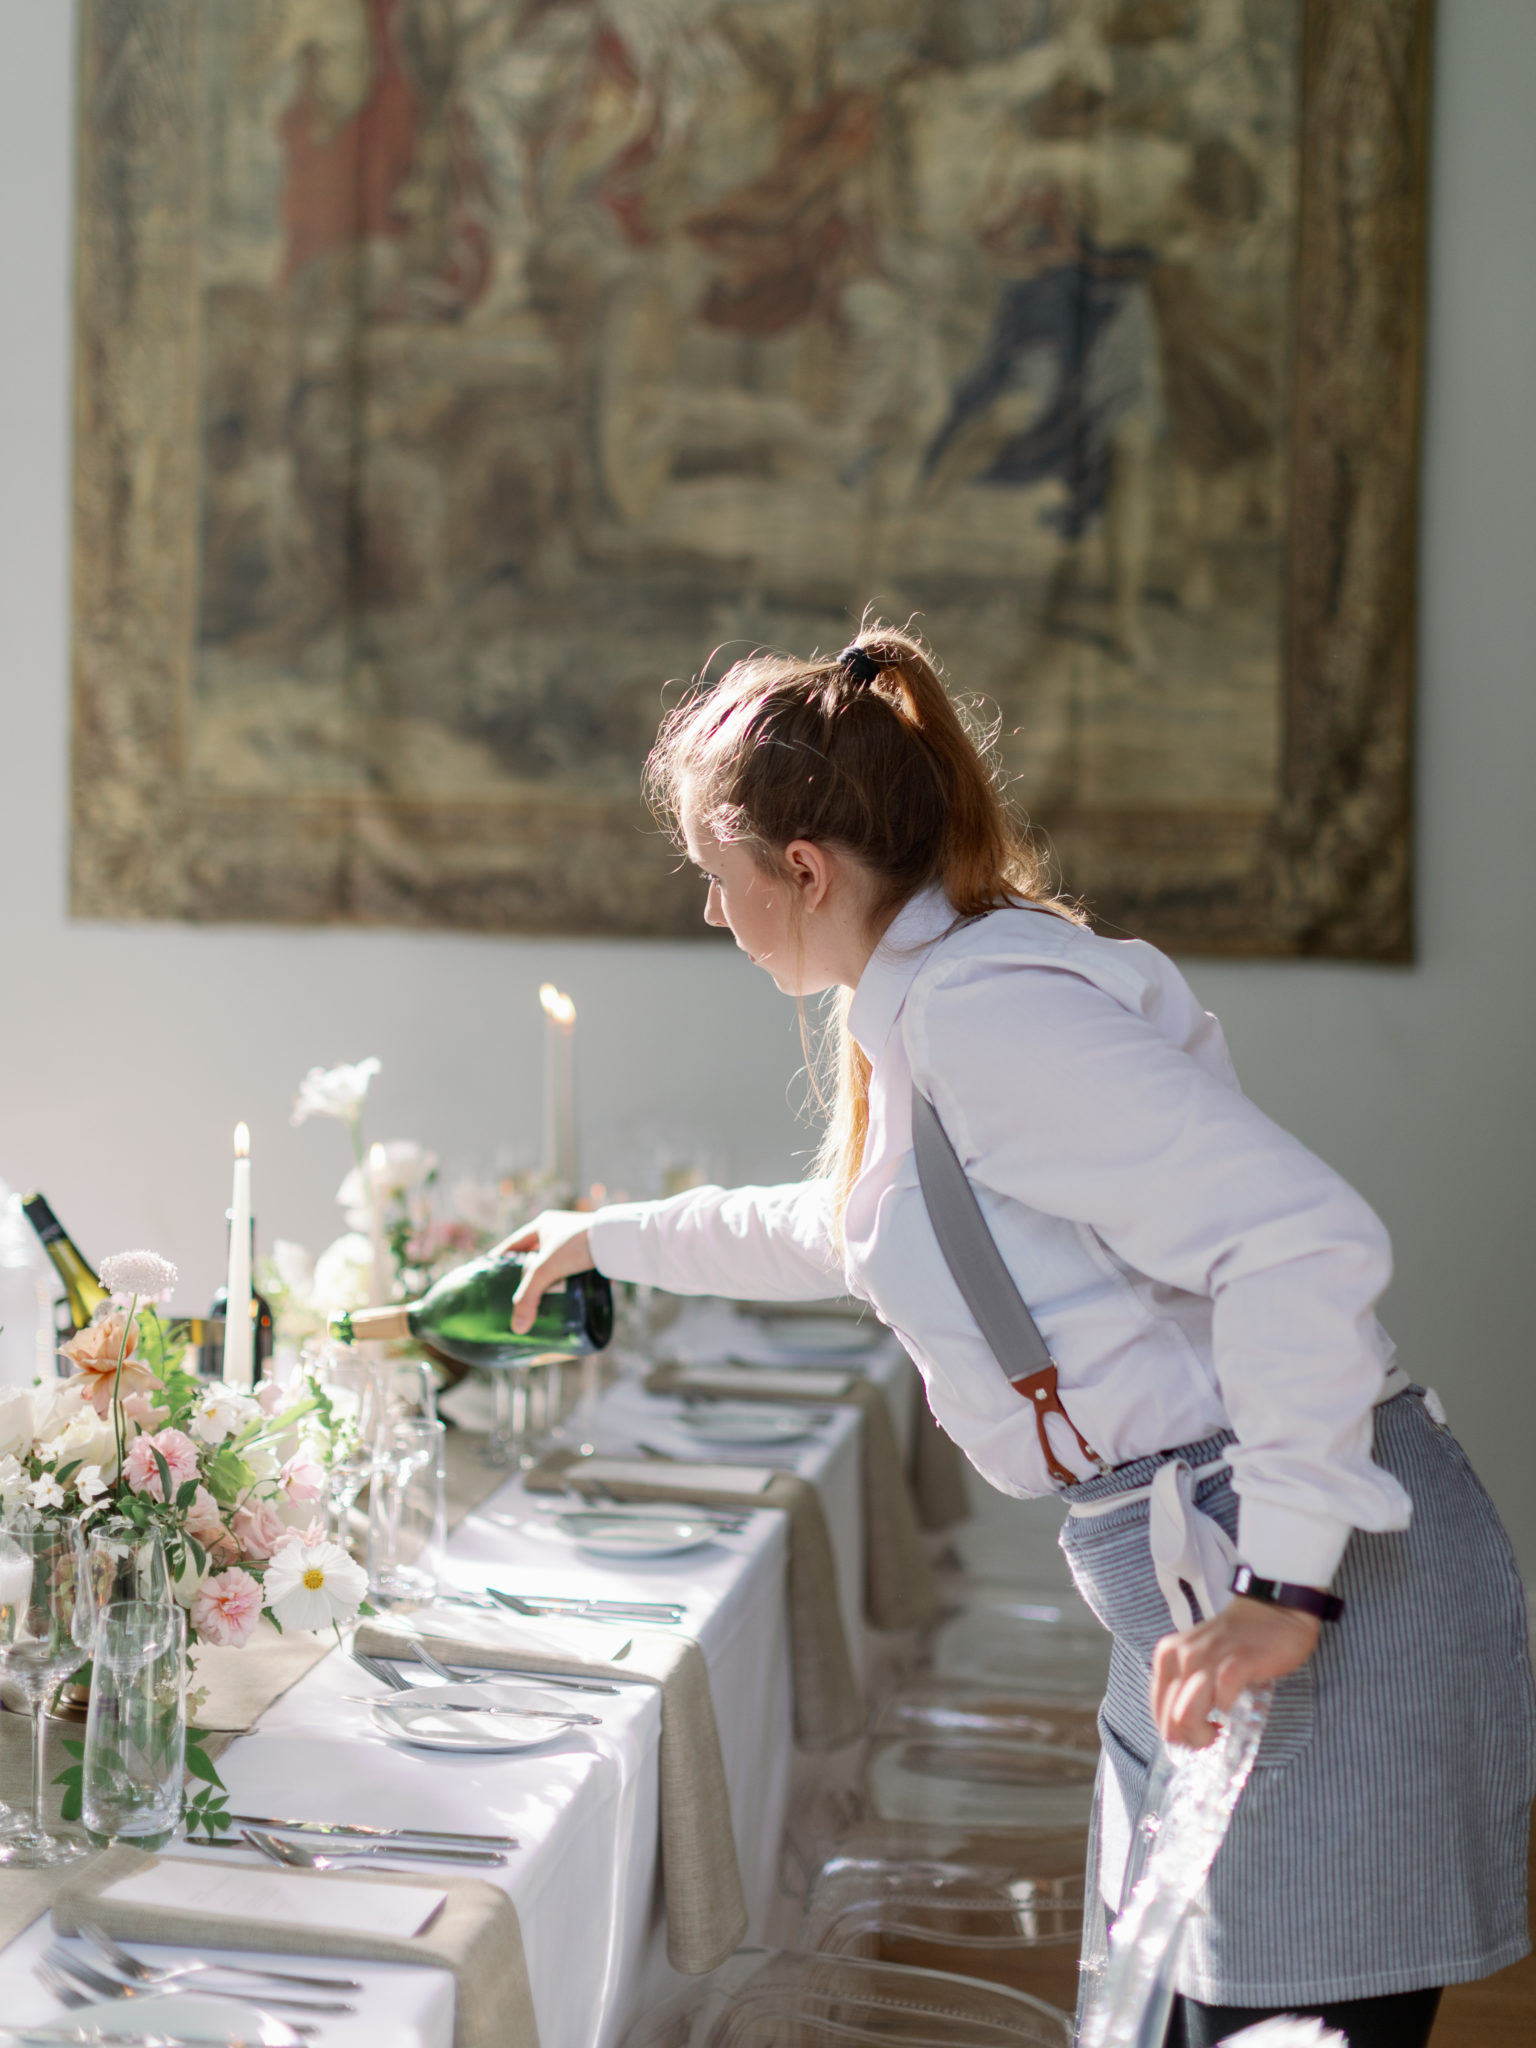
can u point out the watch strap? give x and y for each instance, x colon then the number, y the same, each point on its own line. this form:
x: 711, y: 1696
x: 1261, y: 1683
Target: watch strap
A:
x: 1278, y: 1593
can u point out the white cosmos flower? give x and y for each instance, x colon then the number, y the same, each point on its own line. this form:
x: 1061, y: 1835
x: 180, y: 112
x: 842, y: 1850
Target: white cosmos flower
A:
x: 310, y: 1585
x: 333, y: 1091
x: 145, y: 1274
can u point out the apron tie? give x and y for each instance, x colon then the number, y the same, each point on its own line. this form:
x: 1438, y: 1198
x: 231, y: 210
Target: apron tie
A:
x: 1192, y: 1554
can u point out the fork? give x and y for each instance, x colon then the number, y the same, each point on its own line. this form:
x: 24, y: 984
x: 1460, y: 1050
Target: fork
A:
x: 386, y: 1674
x: 57, y: 1957
x: 276, y: 1850
x: 140, y: 1972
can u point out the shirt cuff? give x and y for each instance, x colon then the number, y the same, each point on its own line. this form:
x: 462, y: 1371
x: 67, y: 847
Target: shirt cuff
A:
x: 617, y: 1239
x: 1289, y: 1544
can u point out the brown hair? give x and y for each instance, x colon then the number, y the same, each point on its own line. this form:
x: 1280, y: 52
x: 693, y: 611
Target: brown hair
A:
x: 867, y: 752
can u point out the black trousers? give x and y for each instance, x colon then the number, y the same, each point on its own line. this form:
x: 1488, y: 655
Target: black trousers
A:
x: 1400, y: 2021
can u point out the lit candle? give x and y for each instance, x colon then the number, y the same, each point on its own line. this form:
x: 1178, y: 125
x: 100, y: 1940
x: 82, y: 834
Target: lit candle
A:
x: 381, y: 1289
x: 239, y: 1329
x: 559, y: 1090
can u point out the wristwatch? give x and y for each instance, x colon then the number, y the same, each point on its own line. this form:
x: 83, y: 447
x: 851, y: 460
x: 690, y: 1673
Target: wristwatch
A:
x: 1276, y: 1593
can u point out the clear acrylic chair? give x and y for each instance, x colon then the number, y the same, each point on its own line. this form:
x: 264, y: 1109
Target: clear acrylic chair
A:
x: 1005, y: 1910
x: 926, y: 1704
x: 1044, y: 1644
x: 768, y: 1998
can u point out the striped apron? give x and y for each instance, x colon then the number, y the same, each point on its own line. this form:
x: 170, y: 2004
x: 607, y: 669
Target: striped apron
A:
x: 1381, y: 1843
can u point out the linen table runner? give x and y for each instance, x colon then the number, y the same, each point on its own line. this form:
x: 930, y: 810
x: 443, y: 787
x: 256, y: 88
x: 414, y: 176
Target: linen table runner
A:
x: 829, y: 1710
x: 899, y: 1590
x: 476, y: 1936
x: 706, y: 1906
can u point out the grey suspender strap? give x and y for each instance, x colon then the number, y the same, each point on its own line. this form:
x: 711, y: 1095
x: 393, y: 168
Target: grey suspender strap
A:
x: 985, y: 1283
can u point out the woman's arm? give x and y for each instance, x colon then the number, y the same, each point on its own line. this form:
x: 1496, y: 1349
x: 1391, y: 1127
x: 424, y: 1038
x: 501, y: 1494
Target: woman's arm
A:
x: 761, y: 1244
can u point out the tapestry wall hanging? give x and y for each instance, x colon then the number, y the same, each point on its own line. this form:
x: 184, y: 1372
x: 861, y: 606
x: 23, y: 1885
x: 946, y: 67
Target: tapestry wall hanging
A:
x: 454, y: 375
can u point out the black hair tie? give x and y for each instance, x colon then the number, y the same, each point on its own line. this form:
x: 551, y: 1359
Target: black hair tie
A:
x: 859, y: 665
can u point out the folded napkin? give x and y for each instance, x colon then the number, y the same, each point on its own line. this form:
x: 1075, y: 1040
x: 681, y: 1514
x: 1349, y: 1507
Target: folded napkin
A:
x: 27, y: 1894
x: 899, y: 1591
x: 828, y: 1708
x: 476, y: 1935
x: 937, y: 1466
x: 706, y: 1906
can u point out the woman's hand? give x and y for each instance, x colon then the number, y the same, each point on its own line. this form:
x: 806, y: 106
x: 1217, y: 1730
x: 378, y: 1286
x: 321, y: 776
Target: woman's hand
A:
x: 1206, y: 1667
x: 559, y: 1239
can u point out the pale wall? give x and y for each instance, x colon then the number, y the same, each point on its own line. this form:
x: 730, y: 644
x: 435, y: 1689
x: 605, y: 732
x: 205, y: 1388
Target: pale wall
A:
x: 128, y: 1053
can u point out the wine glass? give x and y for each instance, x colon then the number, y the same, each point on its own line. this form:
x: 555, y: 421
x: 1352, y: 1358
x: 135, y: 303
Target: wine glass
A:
x: 356, y: 1394
x: 42, y: 1585
x: 401, y: 1559
x: 126, y: 1566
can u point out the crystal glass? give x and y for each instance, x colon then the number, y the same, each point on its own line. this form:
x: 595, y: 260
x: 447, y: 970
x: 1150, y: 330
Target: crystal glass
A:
x: 42, y: 1582
x: 407, y: 1517
x: 136, y: 1733
x: 356, y: 1394
x: 124, y: 1565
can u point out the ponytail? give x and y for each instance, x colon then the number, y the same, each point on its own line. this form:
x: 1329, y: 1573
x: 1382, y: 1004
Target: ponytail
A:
x: 866, y: 752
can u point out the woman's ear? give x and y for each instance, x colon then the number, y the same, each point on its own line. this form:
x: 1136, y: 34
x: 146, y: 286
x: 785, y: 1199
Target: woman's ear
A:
x: 810, y: 871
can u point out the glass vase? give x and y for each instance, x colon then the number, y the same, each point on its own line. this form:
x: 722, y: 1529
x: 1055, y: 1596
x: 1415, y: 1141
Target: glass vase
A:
x: 136, y: 1731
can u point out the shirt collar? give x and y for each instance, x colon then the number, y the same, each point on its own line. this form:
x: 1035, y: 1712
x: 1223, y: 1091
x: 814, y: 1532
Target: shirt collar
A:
x: 892, y: 967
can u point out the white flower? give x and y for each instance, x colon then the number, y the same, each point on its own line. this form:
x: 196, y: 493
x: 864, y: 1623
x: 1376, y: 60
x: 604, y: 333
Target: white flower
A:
x: 310, y: 1585
x: 47, y: 1492
x: 333, y: 1091
x: 263, y: 1461
x: 14, y: 1484
x: 64, y: 1403
x: 144, y: 1274
x: 16, y: 1421
x: 89, y: 1483
x: 403, y: 1167
x: 86, y: 1438
x: 219, y: 1412
x: 343, y: 1274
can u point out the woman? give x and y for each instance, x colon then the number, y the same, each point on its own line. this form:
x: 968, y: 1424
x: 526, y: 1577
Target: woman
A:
x: 1206, y: 1289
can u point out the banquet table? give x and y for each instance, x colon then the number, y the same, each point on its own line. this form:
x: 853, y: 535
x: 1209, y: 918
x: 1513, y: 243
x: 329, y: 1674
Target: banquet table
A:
x: 585, y: 1879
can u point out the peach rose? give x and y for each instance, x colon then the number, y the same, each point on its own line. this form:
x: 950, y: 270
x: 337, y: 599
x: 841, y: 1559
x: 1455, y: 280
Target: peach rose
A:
x: 93, y: 1353
x: 258, y: 1528
x: 227, y: 1608
x: 179, y: 1453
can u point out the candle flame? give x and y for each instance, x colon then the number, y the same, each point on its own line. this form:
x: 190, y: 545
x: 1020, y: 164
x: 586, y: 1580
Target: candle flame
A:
x: 556, y: 1005
x: 242, y: 1141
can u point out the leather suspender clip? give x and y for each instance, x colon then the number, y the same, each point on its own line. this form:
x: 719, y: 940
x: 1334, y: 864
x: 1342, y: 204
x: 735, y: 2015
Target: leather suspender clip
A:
x: 1040, y: 1390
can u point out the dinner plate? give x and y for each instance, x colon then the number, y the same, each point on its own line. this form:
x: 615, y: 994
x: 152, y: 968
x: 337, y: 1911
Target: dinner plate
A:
x: 188, y: 2015
x: 431, y: 1717
x: 745, y: 1423
x: 644, y: 1535
x: 822, y: 1337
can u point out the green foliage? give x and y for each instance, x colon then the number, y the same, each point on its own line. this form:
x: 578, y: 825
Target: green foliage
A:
x: 72, y: 1778
x: 207, y: 1812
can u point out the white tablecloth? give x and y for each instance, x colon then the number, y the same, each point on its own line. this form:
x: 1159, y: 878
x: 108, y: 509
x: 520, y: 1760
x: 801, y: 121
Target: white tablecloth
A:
x: 585, y: 1879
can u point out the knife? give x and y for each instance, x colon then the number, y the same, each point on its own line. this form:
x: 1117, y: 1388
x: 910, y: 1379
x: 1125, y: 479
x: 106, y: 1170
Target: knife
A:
x: 357, y: 1828
x: 554, y: 1604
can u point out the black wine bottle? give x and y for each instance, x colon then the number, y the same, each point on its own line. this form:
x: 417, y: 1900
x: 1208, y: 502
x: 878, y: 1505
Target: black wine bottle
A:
x: 83, y: 1292
x: 210, y: 1352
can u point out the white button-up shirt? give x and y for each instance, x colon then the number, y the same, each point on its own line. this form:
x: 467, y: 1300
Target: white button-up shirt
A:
x: 1191, y: 1266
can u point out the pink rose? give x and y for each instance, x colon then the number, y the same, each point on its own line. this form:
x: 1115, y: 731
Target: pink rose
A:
x: 311, y: 1534
x: 301, y: 1478
x: 179, y: 1453
x: 143, y: 1409
x: 204, y: 1526
x: 227, y: 1608
x: 258, y: 1528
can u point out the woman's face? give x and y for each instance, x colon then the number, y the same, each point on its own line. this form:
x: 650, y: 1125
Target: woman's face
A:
x: 755, y: 907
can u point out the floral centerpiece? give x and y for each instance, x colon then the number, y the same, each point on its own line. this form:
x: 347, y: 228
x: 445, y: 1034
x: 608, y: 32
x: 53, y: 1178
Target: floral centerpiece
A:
x: 230, y: 1480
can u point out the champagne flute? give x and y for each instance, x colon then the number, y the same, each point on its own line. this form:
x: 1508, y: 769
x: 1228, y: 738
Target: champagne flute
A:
x: 42, y: 1585
x: 126, y: 1566
x: 355, y: 1392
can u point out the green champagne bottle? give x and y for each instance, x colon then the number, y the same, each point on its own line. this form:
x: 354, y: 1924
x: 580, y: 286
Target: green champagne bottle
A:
x: 83, y: 1292
x: 467, y: 1316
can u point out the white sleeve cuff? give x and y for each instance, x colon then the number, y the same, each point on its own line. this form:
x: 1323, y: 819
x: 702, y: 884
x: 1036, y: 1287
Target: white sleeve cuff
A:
x: 1289, y: 1544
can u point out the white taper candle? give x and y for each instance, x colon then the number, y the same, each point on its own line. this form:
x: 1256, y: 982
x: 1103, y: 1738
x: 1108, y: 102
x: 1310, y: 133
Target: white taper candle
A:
x: 239, y: 1328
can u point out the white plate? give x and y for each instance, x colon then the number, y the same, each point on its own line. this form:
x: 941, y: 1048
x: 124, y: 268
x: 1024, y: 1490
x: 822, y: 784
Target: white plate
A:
x: 419, y: 1717
x: 744, y: 1423
x: 620, y: 1535
x: 190, y: 2016
x: 821, y: 1337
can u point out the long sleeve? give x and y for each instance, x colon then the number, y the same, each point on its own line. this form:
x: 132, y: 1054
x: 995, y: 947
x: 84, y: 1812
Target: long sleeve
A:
x: 1059, y: 1097
x: 768, y: 1244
